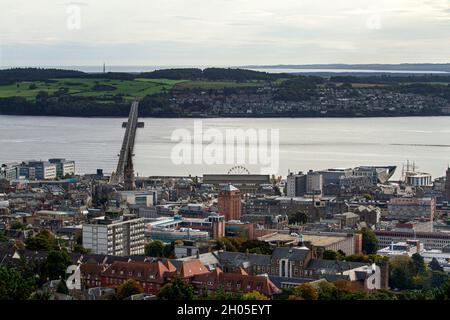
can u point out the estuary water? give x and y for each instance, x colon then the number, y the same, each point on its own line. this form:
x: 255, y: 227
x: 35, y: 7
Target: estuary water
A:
x: 304, y: 144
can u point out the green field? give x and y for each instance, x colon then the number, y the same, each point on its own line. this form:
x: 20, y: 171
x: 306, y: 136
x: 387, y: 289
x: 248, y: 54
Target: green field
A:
x: 131, y: 89
x: 199, y: 84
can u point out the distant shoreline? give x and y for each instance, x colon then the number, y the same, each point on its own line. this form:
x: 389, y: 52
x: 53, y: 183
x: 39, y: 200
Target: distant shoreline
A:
x: 232, y: 117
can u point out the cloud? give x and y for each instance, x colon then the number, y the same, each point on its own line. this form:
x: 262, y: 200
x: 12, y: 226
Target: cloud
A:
x: 227, y: 31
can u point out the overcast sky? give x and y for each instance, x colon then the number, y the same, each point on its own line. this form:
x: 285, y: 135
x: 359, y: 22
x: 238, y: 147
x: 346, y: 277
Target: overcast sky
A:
x: 223, y: 32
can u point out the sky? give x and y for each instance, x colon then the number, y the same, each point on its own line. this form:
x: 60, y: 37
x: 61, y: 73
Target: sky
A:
x: 223, y: 32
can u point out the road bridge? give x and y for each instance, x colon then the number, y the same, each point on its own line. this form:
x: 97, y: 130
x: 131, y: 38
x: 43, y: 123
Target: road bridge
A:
x: 126, y: 152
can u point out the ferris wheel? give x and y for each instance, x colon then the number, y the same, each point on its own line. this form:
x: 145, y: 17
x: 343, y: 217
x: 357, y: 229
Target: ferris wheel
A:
x: 238, y: 170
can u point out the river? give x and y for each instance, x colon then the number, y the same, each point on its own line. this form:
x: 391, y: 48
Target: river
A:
x: 304, y: 144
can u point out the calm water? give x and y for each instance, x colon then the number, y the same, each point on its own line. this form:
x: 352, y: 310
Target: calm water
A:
x: 304, y: 143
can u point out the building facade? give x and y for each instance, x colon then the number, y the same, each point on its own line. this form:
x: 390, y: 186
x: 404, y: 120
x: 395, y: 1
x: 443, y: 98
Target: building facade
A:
x: 447, y: 185
x: 63, y: 167
x: 114, y: 237
x: 229, y: 203
x: 408, y: 208
x: 296, y: 184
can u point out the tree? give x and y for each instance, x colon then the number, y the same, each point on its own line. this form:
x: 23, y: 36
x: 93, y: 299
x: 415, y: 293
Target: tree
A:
x: 256, y: 246
x: 298, y: 217
x: 328, y: 291
x: 129, y: 288
x: 17, y: 225
x: 3, y: 238
x: 333, y: 255
x: 43, y: 241
x: 177, y: 289
x: 254, y: 295
x: 80, y: 249
x: 306, y: 291
x: 369, y: 241
x: 204, y: 294
x: 401, y: 273
x: 55, y: 265
x: 435, y: 266
x: 62, y: 287
x: 13, y: 285
x: 420, y: 267
x: 154, y: 249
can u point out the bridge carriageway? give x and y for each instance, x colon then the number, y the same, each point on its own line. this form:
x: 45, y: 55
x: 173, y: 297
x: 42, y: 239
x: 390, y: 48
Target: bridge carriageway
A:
x: 128, y: 142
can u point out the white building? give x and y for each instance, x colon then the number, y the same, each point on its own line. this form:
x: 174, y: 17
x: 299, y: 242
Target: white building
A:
x: 418, y: 179
x: 314, y: 183
x: 114, y: 237
x: 63, y: 167
x: 407, y: 248
x: 139, y: 198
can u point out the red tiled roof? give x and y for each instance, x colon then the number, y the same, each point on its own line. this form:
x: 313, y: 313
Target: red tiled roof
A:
x: 192, y: 268
x: 141, y: 271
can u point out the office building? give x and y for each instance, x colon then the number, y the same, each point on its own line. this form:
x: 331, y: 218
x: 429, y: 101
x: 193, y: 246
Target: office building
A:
x: 314, y: 183
x: 63, y: 167
x: 39, y: 170
x: 9, y: 171
x: 430, y: 240
x: 296, y: 184
x: 120, y: 237
x: 408, y: 208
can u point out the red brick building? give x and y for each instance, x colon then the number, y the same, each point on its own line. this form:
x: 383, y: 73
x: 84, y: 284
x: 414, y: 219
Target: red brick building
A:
x: 234, y: 282
x: 152, y: 276
x: 230, y: 203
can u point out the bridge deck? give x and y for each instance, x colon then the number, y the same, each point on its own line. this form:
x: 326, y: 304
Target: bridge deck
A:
x: 127, y: 143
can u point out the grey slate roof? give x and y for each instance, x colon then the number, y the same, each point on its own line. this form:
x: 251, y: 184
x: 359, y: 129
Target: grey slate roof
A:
x: 239, y: 259
x: 294, y: 253
x: 333, y: 265
x: 279, y: 281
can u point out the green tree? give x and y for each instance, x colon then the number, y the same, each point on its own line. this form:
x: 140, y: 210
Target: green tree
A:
x: 40, y: 295
x: 256, y: 246
x: 55, y: 265
x: 204, y: 294
x: 220, y: 293
x: 43, y: 241
x: 254, y: 295
x: 401, y: 273
x: 177, y: 289
x: 277, y: 191
x: 80, y: 249
x: 435, y: 266
x: 3, y: 238
x: 13, y: 285
x: 328, y: 291
x: 17, y: 225
x: 369, y: 241
x: 298, y: 217
x: 62, y: 287
x: 154, y: 249
x: 382, y: 295
x: 419, y: 264
x: 333, y: 255
x: 306, y: 291
x: 129, y: 288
